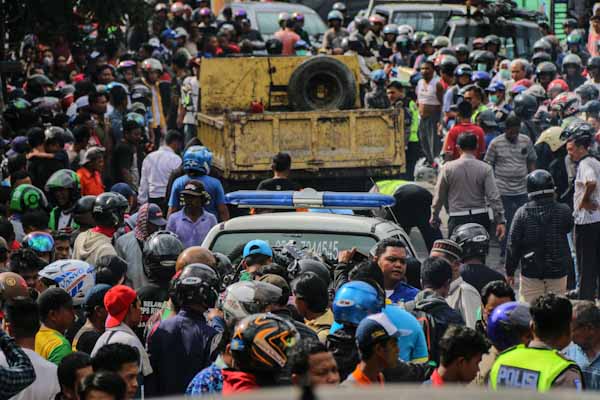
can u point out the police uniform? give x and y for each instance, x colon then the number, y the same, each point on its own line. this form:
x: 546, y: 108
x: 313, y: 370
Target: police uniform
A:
x: 536, y: 367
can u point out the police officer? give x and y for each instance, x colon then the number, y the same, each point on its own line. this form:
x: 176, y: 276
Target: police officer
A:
x: 539, y: 365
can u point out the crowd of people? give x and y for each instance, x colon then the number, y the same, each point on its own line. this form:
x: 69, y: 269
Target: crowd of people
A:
x: 107, y: 195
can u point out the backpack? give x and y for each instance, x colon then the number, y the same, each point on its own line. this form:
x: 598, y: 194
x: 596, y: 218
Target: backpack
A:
x: 342, y: 345
x: 433, y: 328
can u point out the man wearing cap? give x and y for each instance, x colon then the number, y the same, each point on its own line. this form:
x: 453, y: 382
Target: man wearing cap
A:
x: 376, y: 339
x: 192, y: 223
x: 124, y: 314
x: 462, y: 297
x: 464, y: 124
x: 95, y: 311
x: 256, y: 254
x: 465, y: 186
x: 512, y: 157
x: 129, y: 246
x: 90, y: 173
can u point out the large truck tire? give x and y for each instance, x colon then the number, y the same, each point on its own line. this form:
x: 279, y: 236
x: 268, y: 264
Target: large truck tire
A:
x: 322, y: 83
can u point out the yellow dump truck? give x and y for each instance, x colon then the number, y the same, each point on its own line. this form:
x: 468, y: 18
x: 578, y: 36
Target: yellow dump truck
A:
x: 311, y: 110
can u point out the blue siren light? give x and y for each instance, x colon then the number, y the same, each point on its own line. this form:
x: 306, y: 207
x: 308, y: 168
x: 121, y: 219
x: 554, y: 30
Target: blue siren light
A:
x: 308, y: 198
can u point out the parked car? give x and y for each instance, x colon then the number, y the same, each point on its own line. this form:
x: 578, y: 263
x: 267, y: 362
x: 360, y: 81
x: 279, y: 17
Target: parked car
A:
x: 425, y: 17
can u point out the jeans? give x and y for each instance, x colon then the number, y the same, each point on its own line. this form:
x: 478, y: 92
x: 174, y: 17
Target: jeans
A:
x: 511, y: 204
x: 587, y: 245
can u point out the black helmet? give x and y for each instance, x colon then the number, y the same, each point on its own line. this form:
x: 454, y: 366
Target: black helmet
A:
x: 492, y: 39
x: 109, y: 209
x: 539, y: 183
x: 593, y: 62
x: 463, y: 69
x: 474, y: 240
x: 579, y: 132
x: 572, y: 60
x: 160, y: 254
x: 427, y: 39
x: 339, y: 6
x: 546, y: 67
x: 542, y: 45
x: 540, y: 57
x: 461, y: 48
x: 36, y: 84
x: 361, y: 23
x: 274, y: 46
x: 224, y: 267
x: 197, y: 284
x: 487, y: 118
x: 260, y: 343
x: 448, y: 51
x: 587, y: 92
x: 84, y: 205
x: 447, y: 64
x: 55, y: 134
x: 140, y: 93
x: 525, y: 106
x: 484, y: 57
x: 309, y: 265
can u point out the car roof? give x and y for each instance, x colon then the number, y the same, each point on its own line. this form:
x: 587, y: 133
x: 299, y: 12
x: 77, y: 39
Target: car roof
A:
x: 273, y: 6
x: 474, y: 22
x: 420, y: 7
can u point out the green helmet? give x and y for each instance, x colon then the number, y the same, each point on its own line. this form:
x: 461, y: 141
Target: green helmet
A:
x: 64, y: 179
x: 27, y: 197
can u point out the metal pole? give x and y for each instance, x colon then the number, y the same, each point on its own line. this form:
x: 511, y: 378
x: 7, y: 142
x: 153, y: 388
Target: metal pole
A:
x: 3, y: 32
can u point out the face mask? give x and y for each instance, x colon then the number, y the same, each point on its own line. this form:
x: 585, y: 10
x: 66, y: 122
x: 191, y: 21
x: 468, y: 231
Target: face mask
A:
x: 505, y: 74
x: 494, y: 99
x: 301, y: 52
x: 481, y: 67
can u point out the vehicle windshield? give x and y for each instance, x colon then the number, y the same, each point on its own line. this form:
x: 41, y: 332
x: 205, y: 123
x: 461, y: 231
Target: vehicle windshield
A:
x: 326, y: 243
x: 268, y: 23
x: 516, y: 42
x: 433, y: 22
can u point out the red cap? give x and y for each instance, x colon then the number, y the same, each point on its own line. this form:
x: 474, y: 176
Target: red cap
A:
x: 117, y: 302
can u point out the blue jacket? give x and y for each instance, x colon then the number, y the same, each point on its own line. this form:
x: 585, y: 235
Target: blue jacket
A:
x: 403, y: 292
x: 180, y: 348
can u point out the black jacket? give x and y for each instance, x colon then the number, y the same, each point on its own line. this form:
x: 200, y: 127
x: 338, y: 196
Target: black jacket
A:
x: 541, y: 227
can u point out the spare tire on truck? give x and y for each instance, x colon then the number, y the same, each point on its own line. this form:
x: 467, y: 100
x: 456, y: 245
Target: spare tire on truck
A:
x: 322, y: 83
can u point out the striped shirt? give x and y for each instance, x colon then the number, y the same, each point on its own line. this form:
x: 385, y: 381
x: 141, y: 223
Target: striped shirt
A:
x: 509, y: 161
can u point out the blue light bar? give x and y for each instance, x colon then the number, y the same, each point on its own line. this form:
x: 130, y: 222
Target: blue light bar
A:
x: 308, y: 198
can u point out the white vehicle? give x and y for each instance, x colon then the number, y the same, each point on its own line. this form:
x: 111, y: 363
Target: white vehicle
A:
x: 322, y: 229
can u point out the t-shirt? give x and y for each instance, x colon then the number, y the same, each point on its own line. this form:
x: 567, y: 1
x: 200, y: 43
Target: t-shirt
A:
x: 588, y: 170
x: 479, y: 275
x: 288, y: 39
x: 278, y: 184
x: 450, y: 145
x: 211, y: 185
x: 510, y: 160
x: 126, y: 157
x: 51, y: 345
x: 46, y: 384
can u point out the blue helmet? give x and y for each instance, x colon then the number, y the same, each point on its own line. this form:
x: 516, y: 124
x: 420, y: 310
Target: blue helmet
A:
x: 378, y: 75
x: 354, y: 301
x: 198, y: 159
x: 506, y: 323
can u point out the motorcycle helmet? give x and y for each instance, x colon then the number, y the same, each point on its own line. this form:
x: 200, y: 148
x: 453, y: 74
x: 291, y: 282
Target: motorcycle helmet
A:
x: 27, y: 197
x: 247, y: 297
x: 109, y: 209
x: 152, y: 64
x: 525, y: 106
x: 160, y: 254
x: 197, y: 159
x: 12, y: 286
x: 579, y: 132
x: 506, y: 323
x: 474, y: 240
x: 197, y: 284
x: 64, y: 179
x: 299, y: 267
x: 354, y: 301
x: 76, y: 277
x: 539, y: 183
x: 335, y: 15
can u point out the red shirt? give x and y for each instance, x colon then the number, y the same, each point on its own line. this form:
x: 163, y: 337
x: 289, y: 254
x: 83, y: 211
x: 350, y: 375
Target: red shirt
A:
x: 450, y: 142
x: 288, y: 39
x: 436, y: 379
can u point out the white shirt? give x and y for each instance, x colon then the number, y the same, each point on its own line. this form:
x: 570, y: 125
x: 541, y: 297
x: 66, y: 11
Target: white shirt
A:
x: 45, y: 386
x: 123, y: 334
x: 465, y: 300
x: 588, y: 170
x: 427, y: 92
x: 189, y: 98
x: 156, y: 170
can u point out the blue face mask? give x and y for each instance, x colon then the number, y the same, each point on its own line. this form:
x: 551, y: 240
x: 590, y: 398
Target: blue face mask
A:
x: 494, y: 99
x: 301, y: 52
x: 505, y: 74
x: 481, y: 67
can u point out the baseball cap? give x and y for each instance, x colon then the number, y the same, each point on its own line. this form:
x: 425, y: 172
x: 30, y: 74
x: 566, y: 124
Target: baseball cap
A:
x: 123, y: 189
x: 193, y: 188
x: 257, y: 247
x: 117, y: 302
x: 495, y: 87
x: 95, y: 297
x: 91, y: 154
x: 155, y: 215
x: 376, y: 328
x: 448, y: 247
x: 278, y: 281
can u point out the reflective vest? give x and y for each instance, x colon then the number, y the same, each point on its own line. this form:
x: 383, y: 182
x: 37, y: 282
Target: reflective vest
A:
x: 389, y: 187
x: 528, y: 368
x: 481, y: 108
x: 414, y: 122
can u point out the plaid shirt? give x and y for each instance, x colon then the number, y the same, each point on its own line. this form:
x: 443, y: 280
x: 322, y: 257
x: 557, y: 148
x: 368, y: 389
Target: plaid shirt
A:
x: 20, y: 372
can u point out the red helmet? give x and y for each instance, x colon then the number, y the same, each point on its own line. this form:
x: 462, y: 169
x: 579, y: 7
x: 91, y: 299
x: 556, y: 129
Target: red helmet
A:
x: 177, y: 8
x: 567, y: 103
x: 558, y: 84
x: 524, y: 82
x: 376, y: 19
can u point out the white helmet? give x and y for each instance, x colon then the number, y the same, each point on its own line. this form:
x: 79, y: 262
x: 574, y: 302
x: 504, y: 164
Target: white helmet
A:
x: 74, y: 276
x: 424, y: 172
x: 152, y: 64
x: 247, y: 297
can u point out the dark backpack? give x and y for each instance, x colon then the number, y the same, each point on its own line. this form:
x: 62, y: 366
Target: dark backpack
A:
x: 433, y: 328
x: 342, y: 345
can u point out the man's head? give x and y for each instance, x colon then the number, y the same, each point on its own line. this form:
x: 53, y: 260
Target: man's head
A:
x: 467, y: 142
x: 93, y: 304
x: 122, y: 359
x: 310, y: 294
x: 585, y: 325
x: 376, y: 339
x: 513, y: 126
x: 21, y: 318
x: 465, y: 110
x: 62, y: 245
x: 518, y: 69
x: 436, y: 274
x: 103, y: 385
x: 27, y: 264
x: 256, y: 253
x: 551, y: 323
x: 194, y: 196
x: 132, y: 133
x: 72, y: 369
x: 312, y: 365
x: 123, y: 306
x: 390, y: 256
x: 93, y: 159
x: 450, y: 251
x: 98, y: 102
x: 111, y: 270
x: 494, y: 294
x: 577, y: 150
x: 474, y: 95
x: 56, y: 309
x: 427, y: 69
x: 174, y: 140
x: 395, y: 91
x: 118, y: 97
x: 461, y: 349
x: 281, y: 163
